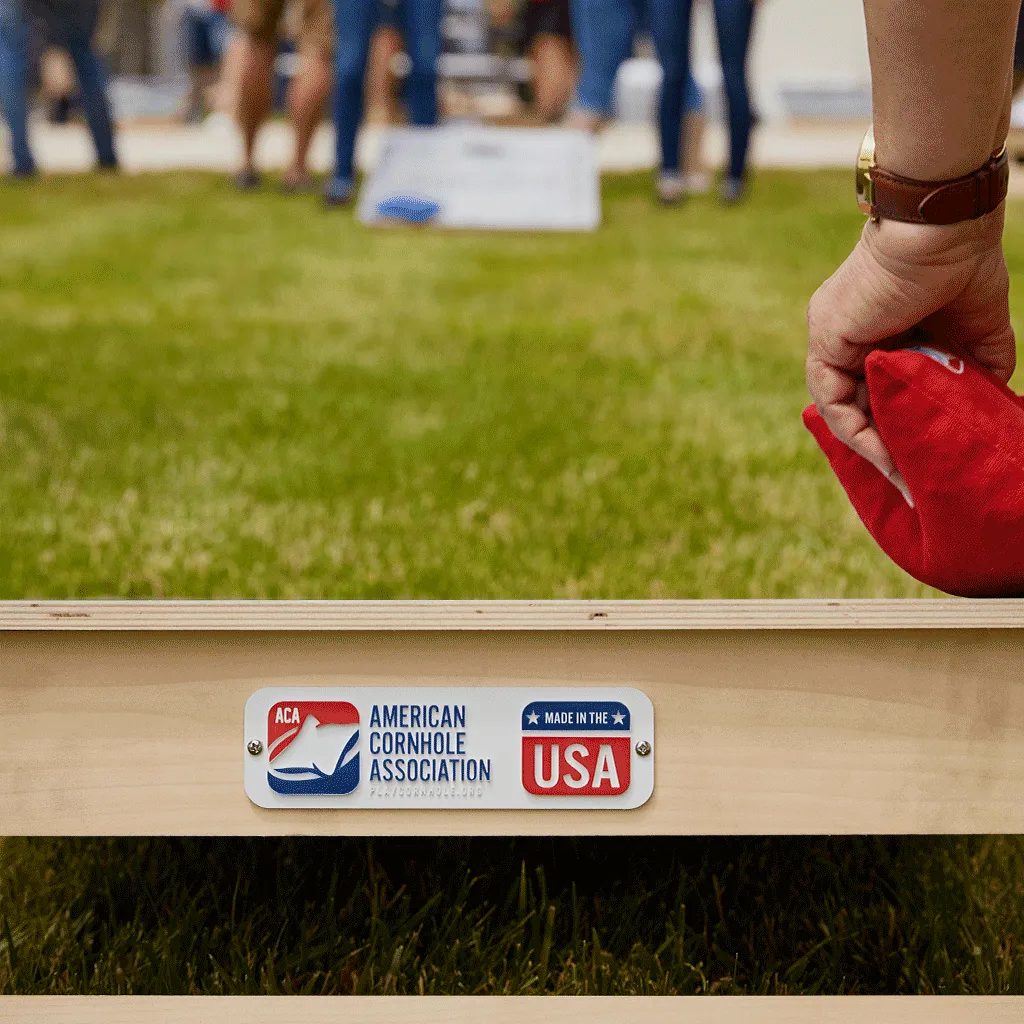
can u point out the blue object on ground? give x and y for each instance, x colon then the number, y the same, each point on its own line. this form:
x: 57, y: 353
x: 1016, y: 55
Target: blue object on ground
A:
x: 416, y: 211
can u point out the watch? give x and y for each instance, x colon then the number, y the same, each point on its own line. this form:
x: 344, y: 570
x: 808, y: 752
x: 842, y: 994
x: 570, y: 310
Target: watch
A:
x: 884, y: 194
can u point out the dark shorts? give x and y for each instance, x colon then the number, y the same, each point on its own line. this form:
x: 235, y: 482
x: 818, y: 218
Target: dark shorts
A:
x: 204, y: 37
x: 390, y: 14
x: 546, y: 18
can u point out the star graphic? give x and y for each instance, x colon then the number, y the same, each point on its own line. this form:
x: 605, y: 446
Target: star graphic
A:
x: 618, y: 718
x: 533, y: 718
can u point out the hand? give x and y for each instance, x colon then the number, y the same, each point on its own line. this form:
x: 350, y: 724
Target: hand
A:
x: 906, y: 284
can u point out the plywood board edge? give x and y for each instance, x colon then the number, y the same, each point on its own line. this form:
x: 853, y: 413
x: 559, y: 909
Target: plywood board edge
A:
x: 506, y: 1010
x: 312, y: 616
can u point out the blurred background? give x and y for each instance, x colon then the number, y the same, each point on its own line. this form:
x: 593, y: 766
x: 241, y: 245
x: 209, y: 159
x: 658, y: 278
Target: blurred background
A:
x: 808, y: 71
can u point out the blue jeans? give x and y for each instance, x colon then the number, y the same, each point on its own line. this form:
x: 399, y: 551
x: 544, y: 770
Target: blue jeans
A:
x: 604, y: 31
x: 14, y: 44
x: 355, y: 21
x: 734, y: 20
x: 76, y: 37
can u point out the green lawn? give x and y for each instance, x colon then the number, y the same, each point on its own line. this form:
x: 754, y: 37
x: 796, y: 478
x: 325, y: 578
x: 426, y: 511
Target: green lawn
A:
x: 204, y: 394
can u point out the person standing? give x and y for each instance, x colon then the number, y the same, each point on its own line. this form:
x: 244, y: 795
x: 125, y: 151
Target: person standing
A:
x: 547, y: 40
x: 260, y: 23
x: 69, y: 24
x: 734, y: 22
x: 204, y: 36
x: 355, y: 21
x: 604, y: 31
x: 14, y: 53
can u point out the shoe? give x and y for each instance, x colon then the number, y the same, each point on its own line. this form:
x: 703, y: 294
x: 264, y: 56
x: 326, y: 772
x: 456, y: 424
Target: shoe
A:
x: 732, y: 191
x: 109, y: 166
x: 670, y: 188
x: 338, y: 192
x: 247, y: 180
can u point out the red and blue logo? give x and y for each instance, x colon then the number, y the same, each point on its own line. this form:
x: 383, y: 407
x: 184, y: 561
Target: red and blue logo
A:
x: 576, y: 748
x: 313, y: 747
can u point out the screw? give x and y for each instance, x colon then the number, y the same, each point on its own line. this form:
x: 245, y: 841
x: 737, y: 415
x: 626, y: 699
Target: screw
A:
x: 255, y: 748
x: 643, y: 748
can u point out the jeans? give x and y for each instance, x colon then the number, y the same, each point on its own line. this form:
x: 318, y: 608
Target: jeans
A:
x: 604, y: 31
x: 75, y: 35
x: 355, y: 21
x: 734, y: 20
x: 14, y: 44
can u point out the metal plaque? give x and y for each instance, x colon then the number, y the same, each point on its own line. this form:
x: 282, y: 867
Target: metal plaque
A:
x: 440, y: 747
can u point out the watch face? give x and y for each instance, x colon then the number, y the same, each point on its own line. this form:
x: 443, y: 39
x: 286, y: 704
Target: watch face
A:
x: 865, y: 161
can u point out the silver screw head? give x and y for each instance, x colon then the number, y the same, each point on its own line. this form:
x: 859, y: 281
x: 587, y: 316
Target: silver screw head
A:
x: 254, y: 747
x: 643, y: 748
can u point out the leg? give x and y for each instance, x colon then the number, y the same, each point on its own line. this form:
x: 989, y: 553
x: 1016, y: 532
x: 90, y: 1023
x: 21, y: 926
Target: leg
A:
x: 380, y: 79
x: 14, y: 42
x: 351, y: 50
x: 694, y: 126
x: 670, y: 27
x: 226, y: 91
x: 554, y: 73
x: 255, y: 96
x: 92, y: 83
x: 258, y: 21
x: 306, y: 97
x: 733, y: 20
x: 311, y: 85
x: 423, y: 44
x: 202, y: 37
x: 603, y: 30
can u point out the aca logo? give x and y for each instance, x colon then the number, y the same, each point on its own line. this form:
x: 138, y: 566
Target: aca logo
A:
x: 576, y: 748
x: 313, y: 747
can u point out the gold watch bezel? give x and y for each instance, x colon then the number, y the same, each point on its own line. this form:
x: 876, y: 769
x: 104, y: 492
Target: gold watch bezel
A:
x: 865, y: 162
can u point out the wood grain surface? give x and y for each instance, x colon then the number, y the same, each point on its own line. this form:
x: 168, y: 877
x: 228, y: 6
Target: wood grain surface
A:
x: 756, y: 731
x: 258, y: 616
x: 511, y: 1010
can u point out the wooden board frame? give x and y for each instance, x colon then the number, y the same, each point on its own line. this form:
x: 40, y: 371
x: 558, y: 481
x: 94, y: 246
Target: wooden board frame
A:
x: 513, y: 1010
x: 806, y: 717
x: 771, y: 718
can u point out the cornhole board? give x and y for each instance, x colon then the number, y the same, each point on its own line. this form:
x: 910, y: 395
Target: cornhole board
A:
x: 501, y: 179
x: 787, y: 717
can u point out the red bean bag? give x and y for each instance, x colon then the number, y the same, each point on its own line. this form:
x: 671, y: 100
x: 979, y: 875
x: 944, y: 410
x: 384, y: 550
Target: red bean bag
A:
x: 956, y: 434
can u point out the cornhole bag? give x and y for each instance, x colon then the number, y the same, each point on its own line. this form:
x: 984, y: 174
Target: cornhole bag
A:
x: 956, y: 434
x: 409, y: 209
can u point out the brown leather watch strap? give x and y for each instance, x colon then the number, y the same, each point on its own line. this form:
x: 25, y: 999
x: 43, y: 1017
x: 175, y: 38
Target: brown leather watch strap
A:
x: 941, y: 202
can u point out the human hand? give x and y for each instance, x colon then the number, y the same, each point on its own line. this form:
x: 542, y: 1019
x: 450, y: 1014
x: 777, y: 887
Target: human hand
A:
x: 906, y: 284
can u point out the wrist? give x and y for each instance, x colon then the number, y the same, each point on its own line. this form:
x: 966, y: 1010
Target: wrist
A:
x: 885, y: 194
x: 936, y: 244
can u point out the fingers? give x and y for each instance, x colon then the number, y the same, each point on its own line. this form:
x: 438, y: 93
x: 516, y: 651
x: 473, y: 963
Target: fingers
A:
x: 905, y: 285
x: 841, y: 398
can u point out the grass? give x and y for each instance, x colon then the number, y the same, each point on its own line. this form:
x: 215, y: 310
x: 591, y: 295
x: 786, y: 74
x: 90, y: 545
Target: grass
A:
x: 753, y: 916
x: 211, y: 395
x: 208, y: 395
